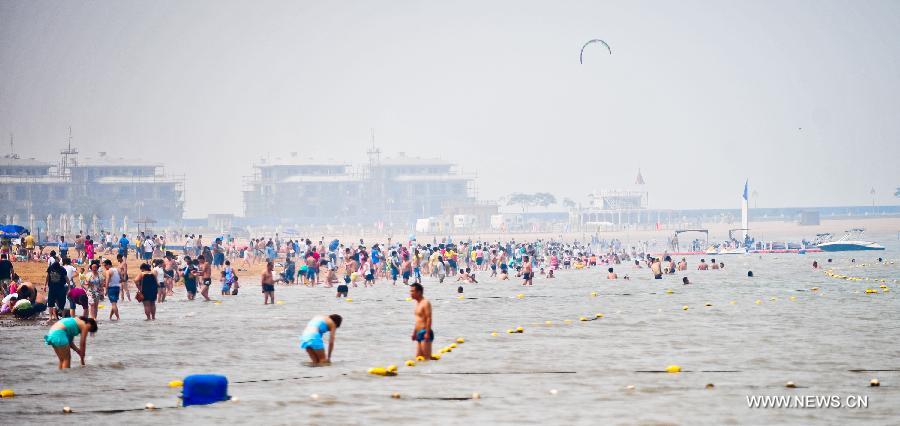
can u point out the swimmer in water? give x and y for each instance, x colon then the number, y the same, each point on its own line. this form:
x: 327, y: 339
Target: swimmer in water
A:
x: 61, y: 337
x: 610, y: 275
x: 685, y: 281
x: 422, y: 333
x: 311, y: 339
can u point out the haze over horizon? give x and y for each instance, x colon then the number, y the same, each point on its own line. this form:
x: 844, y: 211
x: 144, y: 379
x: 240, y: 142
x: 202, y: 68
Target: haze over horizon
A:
x: 801, y: 98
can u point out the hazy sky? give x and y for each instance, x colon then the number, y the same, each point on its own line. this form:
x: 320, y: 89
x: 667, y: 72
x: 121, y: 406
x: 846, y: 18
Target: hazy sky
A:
x: 699, y: 94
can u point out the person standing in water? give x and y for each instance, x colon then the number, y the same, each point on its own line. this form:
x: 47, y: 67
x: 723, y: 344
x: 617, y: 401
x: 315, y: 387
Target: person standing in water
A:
x: 205, y: 272
x: 147, y: 283
x: 268, y: 284
x: 61, y: 336
x: 113, y: 287
x: 527, y: 271
x: 311, y: 339
x: 422, y: 333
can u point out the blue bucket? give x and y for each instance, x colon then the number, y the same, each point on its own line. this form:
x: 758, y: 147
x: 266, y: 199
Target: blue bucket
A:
x: 204, y: 389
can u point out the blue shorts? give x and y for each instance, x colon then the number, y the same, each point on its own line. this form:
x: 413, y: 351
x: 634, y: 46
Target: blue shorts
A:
x: 425, y: 335
x: 405, y: 275
x: 312, y: 341
x: 148, y: 255
x: 113, y: 293
x: 310, y: 273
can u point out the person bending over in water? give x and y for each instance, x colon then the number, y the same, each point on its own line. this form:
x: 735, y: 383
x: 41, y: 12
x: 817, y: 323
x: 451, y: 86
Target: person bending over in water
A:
x: 422, y: 333
x: 61, y: 337
x: 311, y: 340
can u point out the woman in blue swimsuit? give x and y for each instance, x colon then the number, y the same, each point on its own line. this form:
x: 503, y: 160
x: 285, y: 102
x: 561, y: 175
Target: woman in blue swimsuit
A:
x: 61, y: 336
x: 311, y: 340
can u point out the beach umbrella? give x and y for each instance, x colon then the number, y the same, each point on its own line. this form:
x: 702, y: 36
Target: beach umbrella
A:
x: 12, y: 231
x: 333, y: 245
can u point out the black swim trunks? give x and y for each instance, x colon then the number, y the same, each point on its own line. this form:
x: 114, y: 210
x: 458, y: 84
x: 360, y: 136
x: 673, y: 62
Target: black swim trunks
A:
x: 207, y: 281
x: 266, y: 288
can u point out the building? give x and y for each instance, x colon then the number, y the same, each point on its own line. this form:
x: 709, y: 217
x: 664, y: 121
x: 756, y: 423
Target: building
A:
x: 88, y: 194
x: 383, y: 192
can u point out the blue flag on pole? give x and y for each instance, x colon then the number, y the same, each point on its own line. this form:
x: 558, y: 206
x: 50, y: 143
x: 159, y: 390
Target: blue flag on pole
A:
x: 745, y: 189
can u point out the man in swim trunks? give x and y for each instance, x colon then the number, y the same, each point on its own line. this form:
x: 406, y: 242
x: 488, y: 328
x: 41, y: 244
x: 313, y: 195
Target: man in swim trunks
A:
x: 527, y: 271
x: 406, y: 269
x: 422, y: 333
x: 268, y: 283
x: 205, y: 272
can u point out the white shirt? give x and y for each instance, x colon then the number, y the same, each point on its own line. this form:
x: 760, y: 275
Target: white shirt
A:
x: 70, y: 271
x: 148, y: 246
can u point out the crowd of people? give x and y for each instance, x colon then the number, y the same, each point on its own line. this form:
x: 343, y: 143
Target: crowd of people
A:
x: 85, y: 274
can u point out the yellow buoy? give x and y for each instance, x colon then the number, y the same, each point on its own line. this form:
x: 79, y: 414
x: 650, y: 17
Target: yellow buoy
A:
x: 461, y: 297
x: 149, y: 406
x: 494, y: 334
x: 773, y: 299
x: 476, y: 395
x: 453, y: 346
x: 673, y: 369
x: 460, y: 340
x: 395, y: 395
x: 568, y: 321
x: 176, y: 384
x: 7, y: 393
x: 520, y: 330
x: 684, y: 308
x: 790, y: 385
x: 814, y: 289
x: 381, y: 371
x: 599, y: 316
x: 871, y: 290
x: 593, y: 294
x: 435, y: 356
x: 874, y: 382
x: 669, y: 291
x: 510, y: 331
x: 582, y: 319
x: 758, y: 302
x: 348, y: 299
x: 792, y: 298
x: 280, y: 302
x: 410, y: 363
x: 408, y: 299
x: 707, y: 304
x: 710, y: 385
x: 67, y: 409
x: 392, y: 368
x: 217, y: 303
x: 420, y: 358
x: 520, y: 296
